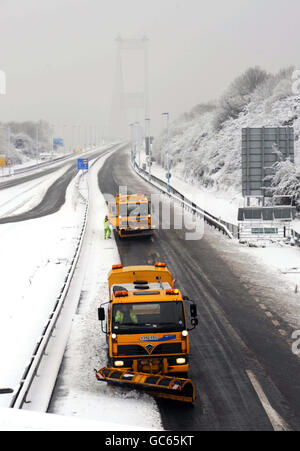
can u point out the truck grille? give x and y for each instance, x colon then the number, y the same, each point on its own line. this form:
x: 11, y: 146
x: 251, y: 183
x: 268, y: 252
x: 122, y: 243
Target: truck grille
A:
x: 167, y: 348
x: 131, y: 350
x: 164, y: 348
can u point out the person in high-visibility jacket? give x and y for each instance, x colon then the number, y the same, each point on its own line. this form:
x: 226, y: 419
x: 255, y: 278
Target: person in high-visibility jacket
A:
x: 107, y: 231
x: 121, y: 314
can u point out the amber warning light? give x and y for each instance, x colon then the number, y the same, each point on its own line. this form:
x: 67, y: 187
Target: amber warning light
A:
x: 121, y: 294
x: 172, y: 292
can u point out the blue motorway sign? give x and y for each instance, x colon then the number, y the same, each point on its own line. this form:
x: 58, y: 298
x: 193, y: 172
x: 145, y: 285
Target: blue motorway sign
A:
x: 58, y: 142
x: 82, y: 163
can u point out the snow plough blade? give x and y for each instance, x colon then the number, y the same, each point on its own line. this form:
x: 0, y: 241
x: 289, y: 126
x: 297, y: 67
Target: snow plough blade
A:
x: 158, y: 385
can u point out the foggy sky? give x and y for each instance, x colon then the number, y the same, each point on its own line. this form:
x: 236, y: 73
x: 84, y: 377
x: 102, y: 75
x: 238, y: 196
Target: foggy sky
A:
x: 59, y: 55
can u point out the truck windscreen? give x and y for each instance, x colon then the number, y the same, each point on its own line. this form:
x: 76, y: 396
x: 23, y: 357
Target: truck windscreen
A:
x: 148, y: 316
x: 133, y: 209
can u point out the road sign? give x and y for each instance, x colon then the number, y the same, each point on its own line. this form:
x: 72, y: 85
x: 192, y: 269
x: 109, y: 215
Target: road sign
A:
x: 58, y: 142
x: 82, y: 163
x: 261, y: 148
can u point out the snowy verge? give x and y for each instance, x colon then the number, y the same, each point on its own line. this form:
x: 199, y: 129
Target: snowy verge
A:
x: 35, y: 257
x: 21, y: 420
x: 192, y: 203
x: 216, y: 203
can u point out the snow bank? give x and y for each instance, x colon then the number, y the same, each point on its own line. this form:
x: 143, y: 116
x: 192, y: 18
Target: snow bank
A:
x: 21, y: 420
x: 35, y: 256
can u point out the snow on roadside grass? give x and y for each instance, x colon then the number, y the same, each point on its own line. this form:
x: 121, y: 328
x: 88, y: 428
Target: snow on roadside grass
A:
x: 214, y: 202
x: 284, y: 260
x: 34, y: 261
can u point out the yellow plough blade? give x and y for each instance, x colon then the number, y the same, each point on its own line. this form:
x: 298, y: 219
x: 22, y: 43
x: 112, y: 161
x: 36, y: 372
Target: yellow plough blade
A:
x: 158, y: 385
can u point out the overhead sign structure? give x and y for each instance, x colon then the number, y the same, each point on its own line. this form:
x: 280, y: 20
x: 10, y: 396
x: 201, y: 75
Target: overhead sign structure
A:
x: 2, y: 161
x: 261, y: 148
x: 82, y: 164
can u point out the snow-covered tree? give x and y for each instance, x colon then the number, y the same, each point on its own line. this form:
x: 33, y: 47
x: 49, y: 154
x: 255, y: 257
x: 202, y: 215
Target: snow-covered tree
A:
x: 284, y: 180
x: 27, y: 139
x: 238, y: 95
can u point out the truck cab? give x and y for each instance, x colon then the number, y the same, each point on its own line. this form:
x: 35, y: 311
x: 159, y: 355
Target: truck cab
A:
x: 146, y: 324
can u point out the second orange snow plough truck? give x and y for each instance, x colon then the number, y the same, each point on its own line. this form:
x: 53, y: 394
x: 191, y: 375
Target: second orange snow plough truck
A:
x: 130, y: 215
x: 147, y: 333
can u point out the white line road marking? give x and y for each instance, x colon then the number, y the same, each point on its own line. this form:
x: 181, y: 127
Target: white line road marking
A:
x: 276, y: 420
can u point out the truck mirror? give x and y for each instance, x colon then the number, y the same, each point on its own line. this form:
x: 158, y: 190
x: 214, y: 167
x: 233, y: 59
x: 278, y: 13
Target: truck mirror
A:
x: 193, y: 310
x: 101, y: 314
x: 194, y: 322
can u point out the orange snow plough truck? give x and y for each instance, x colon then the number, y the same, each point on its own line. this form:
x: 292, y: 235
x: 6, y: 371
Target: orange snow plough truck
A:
x: 147, y: 333
x: 130, y: 215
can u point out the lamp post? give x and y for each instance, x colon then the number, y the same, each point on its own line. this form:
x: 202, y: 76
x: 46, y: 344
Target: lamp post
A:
x: 148, y: 142
x: 52, y: 143
x: 168, y: 149
x: 64, y: 126
x: 8, y: 140
x: 138, y: 140
x: 131, y: 140
x: 79, y: 137
x: 37, y: 143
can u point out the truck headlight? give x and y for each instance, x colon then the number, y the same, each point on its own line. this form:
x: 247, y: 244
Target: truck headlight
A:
x: 180, y: 361
x: 113, y: 336
x: 185, y: 333
x: 119, y: 363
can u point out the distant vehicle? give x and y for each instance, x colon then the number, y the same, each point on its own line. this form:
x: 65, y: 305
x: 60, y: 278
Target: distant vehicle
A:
x: 131, y: 215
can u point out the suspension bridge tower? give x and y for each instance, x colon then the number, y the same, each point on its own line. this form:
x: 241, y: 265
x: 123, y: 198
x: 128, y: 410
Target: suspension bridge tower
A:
x: 130, y: 103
